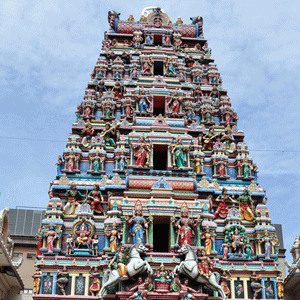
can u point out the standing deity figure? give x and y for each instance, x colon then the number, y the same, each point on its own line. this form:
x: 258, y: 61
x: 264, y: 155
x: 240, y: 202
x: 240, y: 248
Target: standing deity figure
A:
x: 59, y: 165
x: 174, y: 104
x: 208, y: 240
x: 179, y: 155
x: 225, y: 250
x: 170, y: 67
x: 94, y: 245
x: 222, y: 209
x: 224, y: 284
x: 117, y: 90
x: 185, y: 290
x: 221, y: 169
x: 147, y: 67
x: 114, y: 235
x: 237, y: 241
x: 185, y: 226
x: 119, y: 262
x: 198, y: 165
x: 51, y: 237
x: 63, y: 280
x: 71, y: 161
x: 256, y: 285
x: 205, y: 265
x: 128, y: 108
x: 70, y: 244
x: 37, y: 280
x: 78, y: 112
x: 267, y: 244
x: 245, y: 206
x: 96, y: 197
x: 73, y: 195
x: 142, y: 152
x: 138, y: 224
x: 248, y: 250
x: 96, y: 283
x: 177, y: 41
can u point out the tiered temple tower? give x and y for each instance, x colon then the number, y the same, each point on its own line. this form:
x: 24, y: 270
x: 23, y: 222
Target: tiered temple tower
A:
x: 155, y: 160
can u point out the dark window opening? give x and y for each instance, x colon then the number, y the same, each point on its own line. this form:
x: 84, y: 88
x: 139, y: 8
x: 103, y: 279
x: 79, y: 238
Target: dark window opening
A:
x: 160, y: 157
x: 161, y: 234
x: 158, y: 68
x: 157, y: 40
x: 158, y: 106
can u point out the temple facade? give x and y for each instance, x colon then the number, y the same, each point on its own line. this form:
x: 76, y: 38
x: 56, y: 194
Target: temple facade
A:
x: 156, y: 195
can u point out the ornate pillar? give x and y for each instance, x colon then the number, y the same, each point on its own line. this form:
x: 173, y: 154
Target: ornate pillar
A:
x: 73, y: 284
x: 86, y: 288
x: 54, y: 283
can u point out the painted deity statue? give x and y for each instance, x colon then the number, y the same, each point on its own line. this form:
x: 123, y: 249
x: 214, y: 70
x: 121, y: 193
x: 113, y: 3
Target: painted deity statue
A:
x: 162, y: 274
x: 119, y: 261
x: 96, y: 283
x: 63, y: 280
x: 140, y: 290
x: 114, y: 235
x: 97, y: 198
x: 110, y: 135
x: 246, y: 205
x: 237, y: 241
x: 138, y: 224
x: 205, y: 265
x: 142, y: 152
x: 37, y: 280
x: 256, y: 285
x: 73, y: 196
x: 174, y: 104
x: 208, y: 240
x: 267, y: 244
x: 185, y: 290
x: 222, y: 209
x: 208, y: 140
x: 185, y: 226
x: 51, y: 237
x: 179, y: 155
x: 83, y: 232
x: 59, y: 165
x: 70, y: 244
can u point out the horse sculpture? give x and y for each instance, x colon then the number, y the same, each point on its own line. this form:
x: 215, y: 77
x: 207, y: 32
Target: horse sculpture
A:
x: 136, y: 265
x: 189, y: 267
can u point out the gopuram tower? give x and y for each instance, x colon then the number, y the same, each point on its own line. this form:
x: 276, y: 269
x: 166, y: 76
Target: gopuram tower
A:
x: 156, y: 196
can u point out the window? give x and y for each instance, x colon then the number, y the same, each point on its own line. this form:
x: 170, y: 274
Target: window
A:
x: 158, y: 68
x: 18, y: 254
x: 160, y: 157
x: 31, y: 255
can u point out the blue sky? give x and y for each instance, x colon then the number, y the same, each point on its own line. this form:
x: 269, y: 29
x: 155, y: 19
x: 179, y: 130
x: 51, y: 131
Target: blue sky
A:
x: 49, y: 48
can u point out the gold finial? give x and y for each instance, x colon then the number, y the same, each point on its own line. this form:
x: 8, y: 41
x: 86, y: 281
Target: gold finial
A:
x: 131, y: 18
x: 143, y: 18
x: 179, y: 21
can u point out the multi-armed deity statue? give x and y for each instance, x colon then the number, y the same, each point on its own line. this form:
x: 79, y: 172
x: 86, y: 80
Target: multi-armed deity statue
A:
x: 156, y: 195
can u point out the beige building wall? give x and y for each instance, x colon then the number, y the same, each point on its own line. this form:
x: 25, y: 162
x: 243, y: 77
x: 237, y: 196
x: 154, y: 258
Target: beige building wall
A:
x: 27, y: 268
